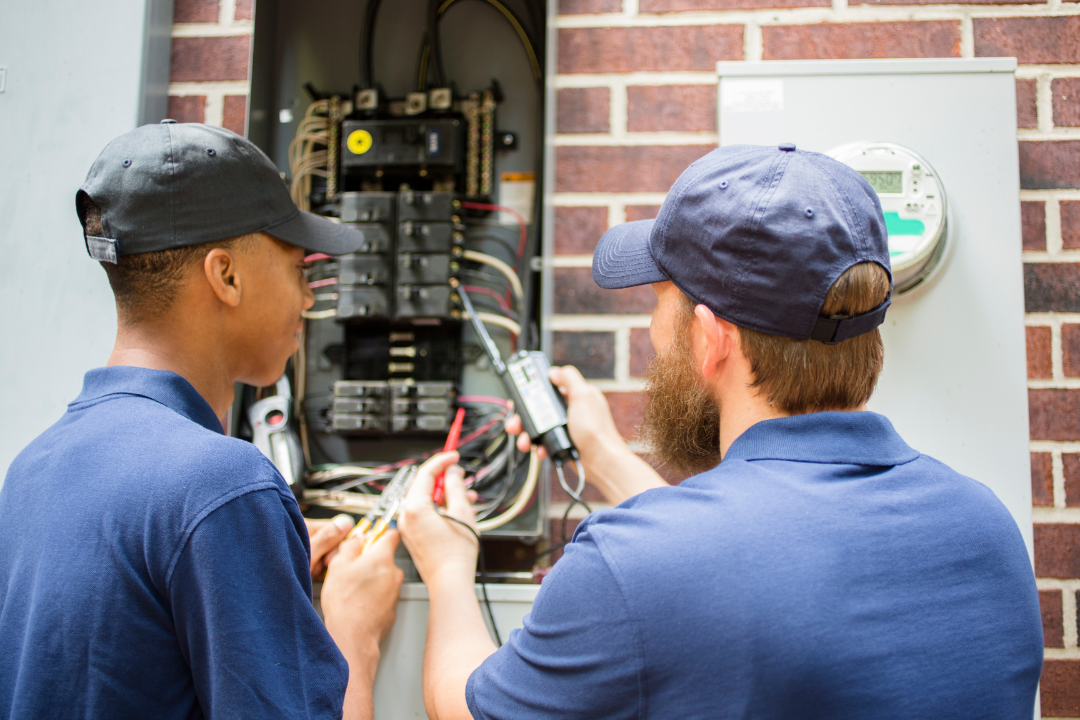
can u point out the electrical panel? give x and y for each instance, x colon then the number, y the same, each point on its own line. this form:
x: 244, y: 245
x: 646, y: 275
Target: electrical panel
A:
x: 416, y: 156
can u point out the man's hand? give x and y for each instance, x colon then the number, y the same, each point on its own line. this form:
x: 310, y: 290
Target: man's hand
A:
x: 437, y: 545
x: 325, y: 536
x: 445, y: 554
x: 359, y: 602
x: 609, y: 464
x: 589, y: 418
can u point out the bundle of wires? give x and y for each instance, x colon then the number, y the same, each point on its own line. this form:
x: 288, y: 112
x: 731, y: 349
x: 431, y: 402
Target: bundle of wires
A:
x: 305, y: 158
x: 494, y: 468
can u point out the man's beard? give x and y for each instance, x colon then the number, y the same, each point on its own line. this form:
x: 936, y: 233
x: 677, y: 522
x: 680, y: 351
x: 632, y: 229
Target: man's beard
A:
x: 681, y: 427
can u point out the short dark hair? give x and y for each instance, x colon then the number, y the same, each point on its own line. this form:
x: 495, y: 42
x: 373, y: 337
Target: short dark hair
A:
x: 146, y: 285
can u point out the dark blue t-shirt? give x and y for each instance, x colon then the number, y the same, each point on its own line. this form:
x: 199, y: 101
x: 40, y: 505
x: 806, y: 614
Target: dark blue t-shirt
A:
x: 152, y: 567
x: 823, y: 570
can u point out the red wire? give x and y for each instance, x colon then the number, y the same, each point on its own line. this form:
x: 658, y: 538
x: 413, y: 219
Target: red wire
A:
x: 518, y: 216
x: 489, y: 292
x: 323, y: 283
x: 317, y: 256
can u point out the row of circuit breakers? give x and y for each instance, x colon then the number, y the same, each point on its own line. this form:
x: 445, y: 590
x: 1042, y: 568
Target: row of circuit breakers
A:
x: 413, y: 242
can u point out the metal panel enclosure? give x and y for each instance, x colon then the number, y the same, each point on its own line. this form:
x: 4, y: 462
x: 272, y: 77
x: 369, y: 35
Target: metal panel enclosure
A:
x: 75, y: 80
x: 954, y: 382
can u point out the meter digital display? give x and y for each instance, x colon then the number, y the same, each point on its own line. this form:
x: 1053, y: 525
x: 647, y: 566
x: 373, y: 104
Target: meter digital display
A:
x: 913, y: 203
x: 891, y: 183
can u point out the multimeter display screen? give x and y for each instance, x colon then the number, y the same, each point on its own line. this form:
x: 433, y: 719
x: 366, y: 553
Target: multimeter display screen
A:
x: 885, y: 182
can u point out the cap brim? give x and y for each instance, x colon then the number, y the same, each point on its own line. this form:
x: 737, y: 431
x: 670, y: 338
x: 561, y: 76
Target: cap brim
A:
x: 622, y: 258
x: 313, y: 232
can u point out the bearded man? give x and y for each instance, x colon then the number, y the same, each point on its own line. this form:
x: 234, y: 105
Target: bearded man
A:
x: 814, y: 565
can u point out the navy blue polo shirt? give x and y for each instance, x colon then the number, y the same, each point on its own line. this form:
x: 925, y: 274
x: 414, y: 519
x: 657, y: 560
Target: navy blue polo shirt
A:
x: 823, y: 570
x: 152, y: 567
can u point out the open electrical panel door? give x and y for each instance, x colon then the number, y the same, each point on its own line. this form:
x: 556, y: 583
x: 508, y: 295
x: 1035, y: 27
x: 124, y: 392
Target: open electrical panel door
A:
x: 419, y: 123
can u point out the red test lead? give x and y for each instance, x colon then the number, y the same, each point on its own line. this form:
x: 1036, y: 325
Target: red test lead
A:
x: 451, y: 444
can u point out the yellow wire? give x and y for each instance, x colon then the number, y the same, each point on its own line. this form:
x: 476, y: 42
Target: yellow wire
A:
x: 517, y: 26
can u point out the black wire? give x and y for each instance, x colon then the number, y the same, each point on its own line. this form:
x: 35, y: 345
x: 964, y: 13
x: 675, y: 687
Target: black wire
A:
x: 529, y: 563
x: 367, y: 42
x: 483, y: 570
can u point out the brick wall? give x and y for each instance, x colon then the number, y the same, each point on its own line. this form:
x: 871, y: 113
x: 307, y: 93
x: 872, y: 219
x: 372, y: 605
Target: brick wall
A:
x: 636, y: 104
x: 211, y: 52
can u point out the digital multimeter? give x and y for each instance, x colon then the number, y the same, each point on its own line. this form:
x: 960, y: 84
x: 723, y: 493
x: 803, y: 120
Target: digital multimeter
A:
x: 913, y: 202
x: 540, y: 406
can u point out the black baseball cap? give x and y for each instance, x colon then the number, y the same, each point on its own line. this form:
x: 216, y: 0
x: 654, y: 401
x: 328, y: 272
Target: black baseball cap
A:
x: 758, y: 235
x: 173, y: 185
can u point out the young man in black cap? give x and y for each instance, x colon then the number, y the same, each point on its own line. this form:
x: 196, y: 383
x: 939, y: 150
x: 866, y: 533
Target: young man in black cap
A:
x: 823, y: 569
x: 152, y: 566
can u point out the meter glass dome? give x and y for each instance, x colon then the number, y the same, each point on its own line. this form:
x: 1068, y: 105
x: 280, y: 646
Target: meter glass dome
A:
x: 913, y: 202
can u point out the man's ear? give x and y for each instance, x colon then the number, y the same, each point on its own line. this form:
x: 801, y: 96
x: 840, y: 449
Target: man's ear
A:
x: 223, y: 274
x: 710, y: 341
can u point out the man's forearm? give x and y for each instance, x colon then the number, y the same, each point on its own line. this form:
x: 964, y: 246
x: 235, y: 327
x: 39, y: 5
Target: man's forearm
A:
x: 457, y: 643
x: 618, y: 473
x: 359, y: 702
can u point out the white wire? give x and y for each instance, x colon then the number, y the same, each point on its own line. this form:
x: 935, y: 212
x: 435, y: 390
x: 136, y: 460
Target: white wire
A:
x: 522, y: 499
x: 484, y: 258
x: 493, y: 319
x: 319, y: 314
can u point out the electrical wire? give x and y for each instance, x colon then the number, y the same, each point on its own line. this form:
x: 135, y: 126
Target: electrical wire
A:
x: 493, y: 319
x: 575, y: 495
x: 483, y: 569
x: 477, y: 289
x: 491, y: 261
x: 534, y: 61
x: 520, y: 502
x: 523, y: 232
x: 319, y: 314
x: 367, y: 42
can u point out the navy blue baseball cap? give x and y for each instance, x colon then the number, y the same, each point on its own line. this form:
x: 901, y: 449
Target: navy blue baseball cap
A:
x: 758, y: 235
x: 178, y: 184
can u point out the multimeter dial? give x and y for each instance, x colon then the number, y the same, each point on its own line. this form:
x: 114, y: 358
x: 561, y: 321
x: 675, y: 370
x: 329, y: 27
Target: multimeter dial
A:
x: 913, y: 201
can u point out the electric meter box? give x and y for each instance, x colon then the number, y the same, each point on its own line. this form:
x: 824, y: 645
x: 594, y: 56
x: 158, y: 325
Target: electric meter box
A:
x: 937, y: 140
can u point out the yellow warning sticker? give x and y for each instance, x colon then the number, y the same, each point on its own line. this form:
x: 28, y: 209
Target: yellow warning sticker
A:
x: 359, y: 142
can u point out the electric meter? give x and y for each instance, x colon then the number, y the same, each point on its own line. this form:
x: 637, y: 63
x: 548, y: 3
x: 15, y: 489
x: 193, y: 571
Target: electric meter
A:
x: 913, y: 201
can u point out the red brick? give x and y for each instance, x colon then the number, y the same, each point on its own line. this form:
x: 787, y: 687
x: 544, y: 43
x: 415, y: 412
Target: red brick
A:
x: 188, y: 108
x: 245, y: 10
x: 938, y: 2
x: 1038, y: 352
x: 641, y: 352
x: 1057, y: 550
x: 578, y: 228
x: 1066, y: 101
x: 1070, y: 224
x: 1052, y: 287
x: 593, y: 353
x: 627, y: 168
x: 1033, y: 219
x: 584, y: 110
x: 1042, y: 40
x: 1070, y: 465
x: 1042, y: 479
x: 656, y: 108
x: 938, y: 38
x: 1054, y: 414
x: 659, y: 6
x: 1070, y: 349
x: 640, y: 49
x: 575, y: 292
x: 195, y: 11
x: 1059, y: 689
x: 1051, y: 164
x: 589, y: 7
x: 1026, y: 114
x: 204, y: 59
x: 235, y: 113
x: 628, y: 409
x: 1053, y: 630
x: 641, y: 212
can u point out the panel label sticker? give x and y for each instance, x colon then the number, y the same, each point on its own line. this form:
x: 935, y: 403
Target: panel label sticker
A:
x: 752, y: 95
